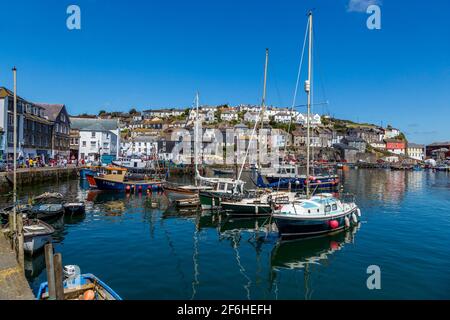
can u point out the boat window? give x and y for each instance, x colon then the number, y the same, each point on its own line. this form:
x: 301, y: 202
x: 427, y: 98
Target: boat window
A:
x: 334, y: 207
x: 327, y: 208
x: 222, y: 186
x: 309, y: 211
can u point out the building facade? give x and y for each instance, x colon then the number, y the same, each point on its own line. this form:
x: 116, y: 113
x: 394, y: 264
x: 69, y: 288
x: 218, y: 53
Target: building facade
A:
x: 99, y: 138
x: 59, y: 118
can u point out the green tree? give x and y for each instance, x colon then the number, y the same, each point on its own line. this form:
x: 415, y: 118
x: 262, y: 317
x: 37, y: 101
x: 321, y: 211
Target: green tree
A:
x: 132, y: 111
x: 101, y: 112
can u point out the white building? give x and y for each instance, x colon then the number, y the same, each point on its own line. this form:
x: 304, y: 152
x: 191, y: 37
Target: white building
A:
x: 99, y: 138
x: 229, y: 115
x: 416, y: 151
x: 255, y: 116
x: 205, y: 115
x: 282, y: 117
x: 140, y: 146
x: 162, y: 113
x: 314, y: 119
x: 391, y: 133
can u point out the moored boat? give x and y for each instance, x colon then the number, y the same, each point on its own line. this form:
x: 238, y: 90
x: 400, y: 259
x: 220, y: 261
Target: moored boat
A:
x: 74, y: 208
x: 314, y: 216
x: 115, y: 180
x: 82, y: 287
x: 36, y: 234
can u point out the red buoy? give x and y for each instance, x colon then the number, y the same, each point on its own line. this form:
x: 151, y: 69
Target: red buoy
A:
x: 334, y: 224
x: 127, y: 188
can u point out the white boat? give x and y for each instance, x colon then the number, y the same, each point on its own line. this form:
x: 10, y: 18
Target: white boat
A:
x: 133, y: 163
x: 36, y: 234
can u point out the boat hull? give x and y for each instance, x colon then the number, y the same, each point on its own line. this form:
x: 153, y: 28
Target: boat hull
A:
x: 131, y: 186
x: 174, y: 193
x: 240, y: 209
x: 212, y: 200
x: 84, y: 172
x: 33, y: 244
x: 295, y: 227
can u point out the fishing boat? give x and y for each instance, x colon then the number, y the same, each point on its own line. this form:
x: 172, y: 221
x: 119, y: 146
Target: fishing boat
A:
x: 314, y: 215
x: 223, y: 189
x: 74, y: 208
x: 36, y: 234
x: 82, y: 287
x: 115, y: 179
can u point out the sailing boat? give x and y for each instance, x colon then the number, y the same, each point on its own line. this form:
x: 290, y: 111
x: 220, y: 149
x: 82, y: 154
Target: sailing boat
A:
x: 320, y: 214
x: 213, y: 188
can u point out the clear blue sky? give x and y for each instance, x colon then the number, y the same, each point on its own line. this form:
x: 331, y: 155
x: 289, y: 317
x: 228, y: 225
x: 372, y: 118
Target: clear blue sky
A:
x: 158, y: 53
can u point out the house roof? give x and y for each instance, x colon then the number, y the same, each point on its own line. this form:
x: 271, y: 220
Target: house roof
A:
x: 90, y: 124
x: 437, y: 144
x: 415, y: 145
x: 51, y: 110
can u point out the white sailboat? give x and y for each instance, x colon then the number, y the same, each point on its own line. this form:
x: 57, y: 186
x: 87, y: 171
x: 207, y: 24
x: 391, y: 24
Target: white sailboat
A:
x: 320, y: 214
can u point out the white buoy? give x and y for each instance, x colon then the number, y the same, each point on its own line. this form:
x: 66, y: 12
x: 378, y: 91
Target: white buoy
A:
x: 347, y: 222
x: 358, y: 212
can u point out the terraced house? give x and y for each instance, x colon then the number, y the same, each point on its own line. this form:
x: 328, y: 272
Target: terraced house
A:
x: 34, y: 130
x: 59, y: 118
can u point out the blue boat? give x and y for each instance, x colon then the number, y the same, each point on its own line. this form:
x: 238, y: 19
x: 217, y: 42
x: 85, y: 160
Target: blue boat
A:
x: 297, y: 182
x: 114, y: 179
x: 88, y: 170
x: 77, y: 289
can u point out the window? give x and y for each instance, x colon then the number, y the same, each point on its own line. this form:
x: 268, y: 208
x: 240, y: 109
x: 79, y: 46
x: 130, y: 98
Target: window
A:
x: 93, y: 134
x: 334, y: 207
x: 327, y: 208
x: 84, y: 143
x: 93, y: 144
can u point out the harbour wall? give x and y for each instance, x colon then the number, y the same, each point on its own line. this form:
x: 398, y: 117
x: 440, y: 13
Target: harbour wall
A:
x: 31, y: 176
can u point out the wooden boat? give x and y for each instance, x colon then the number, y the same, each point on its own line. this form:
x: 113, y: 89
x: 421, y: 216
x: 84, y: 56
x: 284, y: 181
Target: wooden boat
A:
x: 48, y: 205
x: 257, y: 204
x: 115, y: 179
x: 74, y: 208
x: 187, y: 203
x: 20, y: 208
x: 36, y: 234
x: 83, y: 287
x: 179, y: 192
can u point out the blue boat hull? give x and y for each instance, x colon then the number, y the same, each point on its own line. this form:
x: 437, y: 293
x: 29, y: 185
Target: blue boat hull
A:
x: 102, y: 184
x: 326, y: 183
x: 298, y: 228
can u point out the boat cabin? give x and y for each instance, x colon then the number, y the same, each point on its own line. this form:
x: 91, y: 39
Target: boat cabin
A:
x: 114, y: 173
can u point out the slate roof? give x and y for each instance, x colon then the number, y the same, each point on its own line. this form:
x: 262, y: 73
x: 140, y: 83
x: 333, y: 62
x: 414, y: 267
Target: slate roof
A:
x: 51, y: 110
x: 90, y: 124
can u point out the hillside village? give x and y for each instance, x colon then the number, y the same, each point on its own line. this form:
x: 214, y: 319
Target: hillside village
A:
x: 48, y: 132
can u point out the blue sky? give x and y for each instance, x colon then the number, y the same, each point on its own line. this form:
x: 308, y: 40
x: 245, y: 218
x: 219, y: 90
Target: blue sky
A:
x: 159, y: 53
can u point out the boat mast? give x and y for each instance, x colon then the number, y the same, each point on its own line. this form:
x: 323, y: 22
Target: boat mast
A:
x: 197, y: 174
x: 263, y: 101
x: 14, y: 70
x: 308, y: 93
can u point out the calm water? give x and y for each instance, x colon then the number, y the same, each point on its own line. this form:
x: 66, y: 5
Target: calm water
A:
x: 146, y: 253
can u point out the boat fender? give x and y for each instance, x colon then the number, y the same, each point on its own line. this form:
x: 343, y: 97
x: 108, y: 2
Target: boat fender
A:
x: 334, y: 224
x: 347, y: 222
x: 354, y: 218
x: 358, y: 212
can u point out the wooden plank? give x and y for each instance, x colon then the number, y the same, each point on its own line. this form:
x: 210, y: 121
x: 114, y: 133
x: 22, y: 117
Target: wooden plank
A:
x: 59, y: 287
x: 48, y: 249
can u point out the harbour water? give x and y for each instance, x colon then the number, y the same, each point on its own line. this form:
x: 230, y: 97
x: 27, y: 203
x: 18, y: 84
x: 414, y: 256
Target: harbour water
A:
x: 147, y: 253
